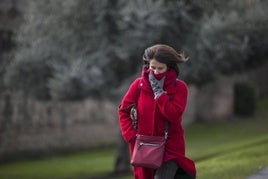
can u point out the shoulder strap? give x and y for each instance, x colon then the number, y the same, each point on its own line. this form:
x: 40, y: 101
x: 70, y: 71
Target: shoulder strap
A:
x: 166, y: 129
x: 133, y: 111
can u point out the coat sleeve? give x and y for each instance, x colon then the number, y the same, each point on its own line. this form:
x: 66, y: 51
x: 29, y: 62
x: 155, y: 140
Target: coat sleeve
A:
x: 125, y: 122
x: 172, y: 107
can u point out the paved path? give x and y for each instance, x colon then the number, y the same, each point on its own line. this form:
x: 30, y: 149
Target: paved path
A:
x: 262, y: 174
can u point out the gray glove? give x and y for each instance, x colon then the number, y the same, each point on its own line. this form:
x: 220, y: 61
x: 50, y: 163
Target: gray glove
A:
x: 157, y: 86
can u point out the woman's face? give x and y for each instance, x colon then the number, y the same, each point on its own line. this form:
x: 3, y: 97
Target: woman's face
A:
x: 157, y: 67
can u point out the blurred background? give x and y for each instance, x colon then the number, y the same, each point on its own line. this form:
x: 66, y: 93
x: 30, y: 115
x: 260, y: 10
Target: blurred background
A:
x: 66, y: 64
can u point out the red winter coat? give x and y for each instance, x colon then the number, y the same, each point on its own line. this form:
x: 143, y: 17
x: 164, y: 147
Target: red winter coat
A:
x: 152, y: 114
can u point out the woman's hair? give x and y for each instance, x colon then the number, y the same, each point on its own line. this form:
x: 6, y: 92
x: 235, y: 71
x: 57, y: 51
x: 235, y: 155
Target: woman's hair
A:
x: 164, y: 54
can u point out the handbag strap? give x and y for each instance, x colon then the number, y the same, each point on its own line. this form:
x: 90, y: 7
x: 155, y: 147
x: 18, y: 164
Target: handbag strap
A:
x: 134, y: 111
x: 166, y: 129
x: 135, y: 118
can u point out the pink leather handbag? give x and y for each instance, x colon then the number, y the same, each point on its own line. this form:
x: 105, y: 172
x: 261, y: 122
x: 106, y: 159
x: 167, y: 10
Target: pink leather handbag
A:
x: 148, y: 151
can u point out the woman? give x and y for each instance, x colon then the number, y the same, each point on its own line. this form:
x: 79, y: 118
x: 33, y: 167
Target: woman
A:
x: 159, y: 96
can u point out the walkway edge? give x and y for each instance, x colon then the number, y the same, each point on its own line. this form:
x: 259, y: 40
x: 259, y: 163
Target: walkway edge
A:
x: 262, y: 174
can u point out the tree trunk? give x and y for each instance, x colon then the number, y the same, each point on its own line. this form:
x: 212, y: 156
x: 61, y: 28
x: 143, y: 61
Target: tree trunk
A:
x: 122, y: 165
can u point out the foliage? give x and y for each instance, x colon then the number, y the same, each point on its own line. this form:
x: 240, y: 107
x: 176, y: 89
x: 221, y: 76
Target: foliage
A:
x: 225, y: 42
x: 76, y: 48
x: 75, y: 80
x: 84, y: 51
x: 244, y: 99
x: 29, y: 73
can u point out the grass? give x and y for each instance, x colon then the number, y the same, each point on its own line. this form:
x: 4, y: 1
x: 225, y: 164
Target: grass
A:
x: 71, y: 166
x: 231, y: 149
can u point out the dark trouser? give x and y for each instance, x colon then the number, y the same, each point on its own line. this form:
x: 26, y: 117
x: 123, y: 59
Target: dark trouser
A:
x: 170, y: 170
x: 166, y: 171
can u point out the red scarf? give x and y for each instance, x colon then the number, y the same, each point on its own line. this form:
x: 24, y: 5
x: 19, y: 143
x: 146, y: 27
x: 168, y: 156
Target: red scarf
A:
x: 170, y: 75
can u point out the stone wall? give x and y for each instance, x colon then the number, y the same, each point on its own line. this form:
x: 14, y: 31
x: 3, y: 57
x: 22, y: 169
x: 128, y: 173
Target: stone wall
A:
x: 44, y: 127
x: 215, y: 101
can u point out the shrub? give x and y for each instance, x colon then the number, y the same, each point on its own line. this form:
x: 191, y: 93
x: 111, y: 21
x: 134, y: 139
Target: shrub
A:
x: 244, y: 99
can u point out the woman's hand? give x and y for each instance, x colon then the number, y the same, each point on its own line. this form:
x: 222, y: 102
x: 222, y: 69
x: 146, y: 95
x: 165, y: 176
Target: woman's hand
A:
x: 157, y: 85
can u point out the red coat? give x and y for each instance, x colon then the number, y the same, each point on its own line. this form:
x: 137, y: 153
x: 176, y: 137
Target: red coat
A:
x: 151, y: 116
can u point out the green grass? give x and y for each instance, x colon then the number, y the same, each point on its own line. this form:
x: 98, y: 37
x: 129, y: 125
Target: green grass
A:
x: 71, y: 166
x: 232, y: 149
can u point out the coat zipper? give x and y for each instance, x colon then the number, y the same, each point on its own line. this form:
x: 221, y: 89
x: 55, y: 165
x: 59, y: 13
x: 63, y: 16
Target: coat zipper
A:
x: 147, y: 144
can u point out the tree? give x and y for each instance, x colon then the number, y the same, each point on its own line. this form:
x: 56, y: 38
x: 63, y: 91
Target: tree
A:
x: 52, y: 38
x: 82, y: 52
x: 226, y: 42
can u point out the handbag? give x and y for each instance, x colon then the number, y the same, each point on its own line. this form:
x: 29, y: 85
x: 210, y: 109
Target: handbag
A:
x: 148, y: 151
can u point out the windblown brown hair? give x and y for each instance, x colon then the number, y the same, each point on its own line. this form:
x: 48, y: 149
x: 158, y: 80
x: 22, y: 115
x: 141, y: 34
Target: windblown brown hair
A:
x: 164, y: 54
